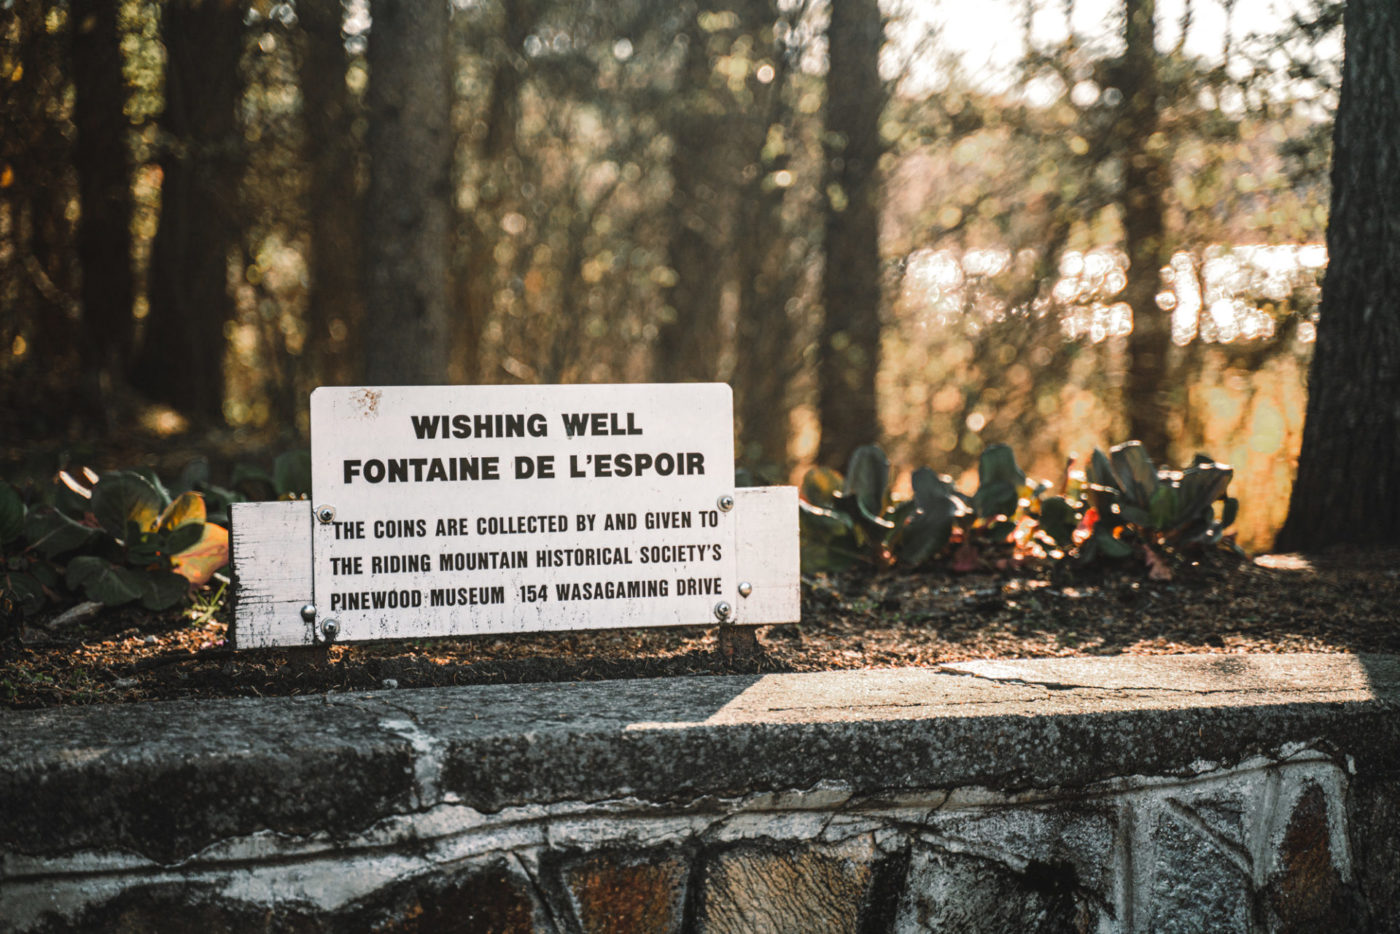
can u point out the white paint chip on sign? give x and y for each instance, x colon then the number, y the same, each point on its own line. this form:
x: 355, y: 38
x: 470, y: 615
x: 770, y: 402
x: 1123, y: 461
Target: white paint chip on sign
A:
x: 460, y: 510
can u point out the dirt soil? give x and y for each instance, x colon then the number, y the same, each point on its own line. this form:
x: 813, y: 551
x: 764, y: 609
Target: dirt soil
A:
x: 1224, y: 604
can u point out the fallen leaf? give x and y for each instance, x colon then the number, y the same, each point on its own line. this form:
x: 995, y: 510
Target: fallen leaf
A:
x: 199, y: 562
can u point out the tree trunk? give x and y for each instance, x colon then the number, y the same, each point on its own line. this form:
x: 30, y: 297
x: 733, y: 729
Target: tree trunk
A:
x: 1348, y: 486
x: 408, y: 217
x: 181, y: 362
x: 849, y: 352
x: 104, y: 187
x: 688, y: 341
x: 335, y: 302
x: 1146, y: 175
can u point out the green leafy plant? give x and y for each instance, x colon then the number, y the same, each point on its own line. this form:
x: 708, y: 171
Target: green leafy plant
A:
x: 290, y: 478
x: 142, y: 545
x: 26, y: 580
x: 851, y: 520
x: 1136, y: 506
x: 1122, y: 505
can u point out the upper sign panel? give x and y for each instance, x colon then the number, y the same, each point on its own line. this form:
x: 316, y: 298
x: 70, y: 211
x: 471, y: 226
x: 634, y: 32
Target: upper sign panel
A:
x: 454, y: 510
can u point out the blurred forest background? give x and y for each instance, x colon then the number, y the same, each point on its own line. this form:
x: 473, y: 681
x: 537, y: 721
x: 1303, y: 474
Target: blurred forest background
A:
x: 819, y: 201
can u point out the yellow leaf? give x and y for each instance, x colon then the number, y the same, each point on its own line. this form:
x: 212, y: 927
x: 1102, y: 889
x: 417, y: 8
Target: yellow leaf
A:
x: 198, y: 563
x: 7, y: 177
x: 187, y: 508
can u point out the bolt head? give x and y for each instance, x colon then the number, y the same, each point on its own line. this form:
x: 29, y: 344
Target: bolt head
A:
x: 745, y: 588
x: 325, y: 514
x: 329, y: 629
x: 726, y: 503
x: 723, y: 611
x: 308, y: 613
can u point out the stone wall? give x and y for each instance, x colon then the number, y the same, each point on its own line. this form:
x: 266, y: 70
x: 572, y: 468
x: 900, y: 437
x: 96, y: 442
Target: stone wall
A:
x: 1201, y: 793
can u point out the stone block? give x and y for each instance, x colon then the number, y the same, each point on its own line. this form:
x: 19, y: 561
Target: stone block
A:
x: 485, y: 900
x: 786, y: 890
x: 1190, y: 882
x: 947, y: 891
x: 1076, y: 834
x: 1310, y: 893
x: 627, y: 893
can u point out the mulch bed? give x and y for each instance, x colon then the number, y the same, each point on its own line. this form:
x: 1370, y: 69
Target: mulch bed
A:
x: 1223, y: 604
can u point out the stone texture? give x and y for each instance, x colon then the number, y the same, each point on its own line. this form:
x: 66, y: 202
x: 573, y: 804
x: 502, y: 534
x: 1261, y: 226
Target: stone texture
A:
x: 1171, y: 794
x: 958, y: 892
x: 490, y: 901
x: 1375, y: 834
x: 1190, y: 885
x: 627, y: 893
x: 1310, y: 893
x: 748, y: 890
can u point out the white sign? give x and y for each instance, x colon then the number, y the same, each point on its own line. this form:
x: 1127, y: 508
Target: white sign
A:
x: 456, y: 510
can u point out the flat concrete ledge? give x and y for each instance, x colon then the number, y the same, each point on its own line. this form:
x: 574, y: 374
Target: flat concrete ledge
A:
x: 108, y: 793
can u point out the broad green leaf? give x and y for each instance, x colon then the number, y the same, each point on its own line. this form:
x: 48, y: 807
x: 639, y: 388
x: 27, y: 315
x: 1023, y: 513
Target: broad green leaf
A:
x: 820, y: 486
x: 253, y: 483
x: 926, y: 533
x: 20, y: 591
x: 161, y: 590
x: 149, y: 475
x: 195, y: 476
x: 291, y: 473
x: 1201, y: 485
x: 104, y: 581
x: 11, y: 514
x: 1228, y: 514
x: 822, y: 524
x: 998, y: 464
x: 1059, y: 519
x: 1136, y: 473
x: 995, y: 499
x: 181, y: 539
x: 1162, y: 507
x: 930, y: 487
x: 198, y: 563
x: 1101, y: 483
x: 1110, y: 547
x: 868, y: 478
x: 819, y: 557
x: 870, y: 529
x: 1135, y: 515
x: 1100, y: 471
x: 142, y: 549
x: 121, y: 497
x: 999, y: 481
x: 51, y: 533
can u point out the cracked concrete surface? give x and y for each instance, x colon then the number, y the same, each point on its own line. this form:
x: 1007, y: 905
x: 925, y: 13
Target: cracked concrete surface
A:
x: 1128, y: 794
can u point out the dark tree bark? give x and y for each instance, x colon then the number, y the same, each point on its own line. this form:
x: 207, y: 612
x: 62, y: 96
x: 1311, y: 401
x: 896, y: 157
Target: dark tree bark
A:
x: 1146, y: 174
x: 181, y: 361
x: 849, y: 353
x: 689, y: 339
x: 335, y: 303
x: 104, y: 186
x: 408, y: 208
x: 1347, y: 491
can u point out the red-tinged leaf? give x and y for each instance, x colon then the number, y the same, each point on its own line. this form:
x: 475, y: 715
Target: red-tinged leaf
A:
x: 198, y: 563
x: 966, y: 558
x: 1157, y: 567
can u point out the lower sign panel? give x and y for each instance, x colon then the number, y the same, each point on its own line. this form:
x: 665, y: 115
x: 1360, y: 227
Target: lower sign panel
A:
x: 465, y: 510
